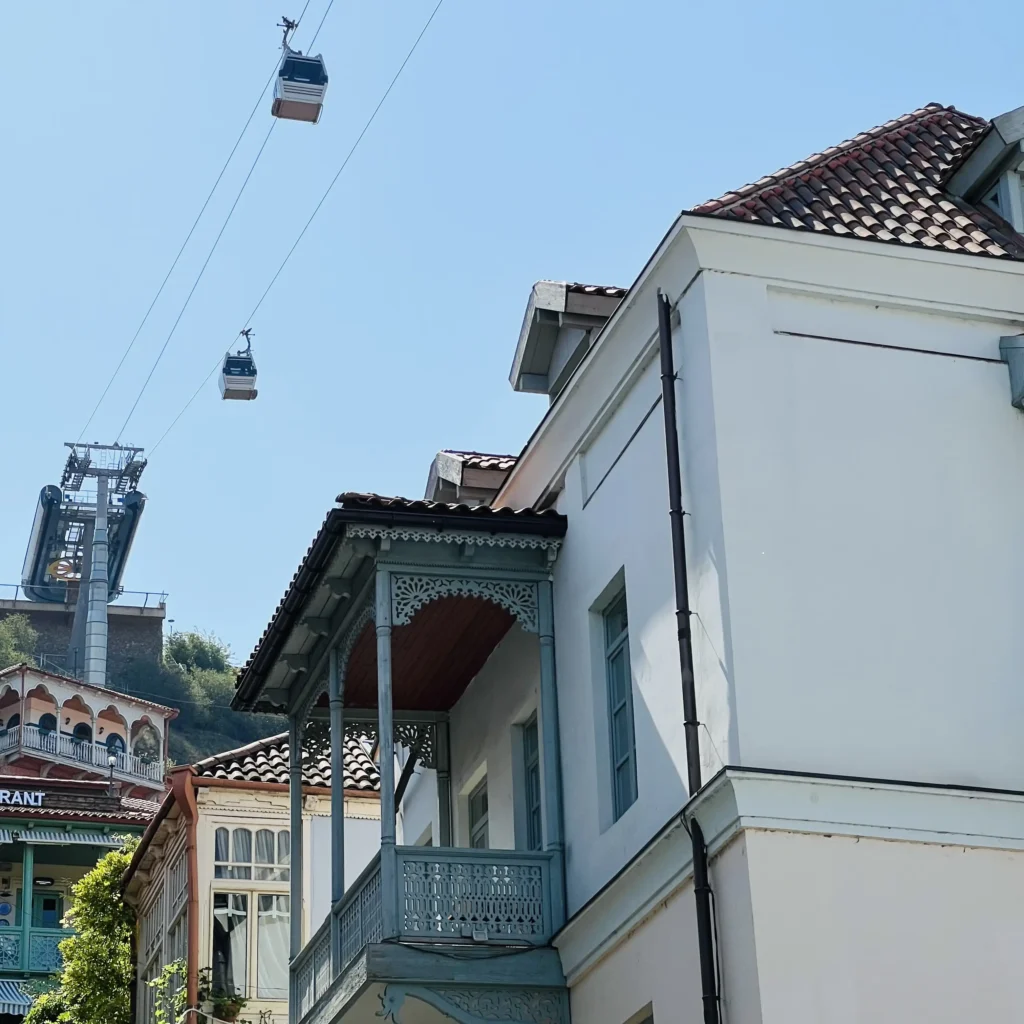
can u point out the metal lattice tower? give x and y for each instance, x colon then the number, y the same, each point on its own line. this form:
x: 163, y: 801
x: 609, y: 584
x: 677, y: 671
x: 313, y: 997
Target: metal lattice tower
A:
x: 93, y: 475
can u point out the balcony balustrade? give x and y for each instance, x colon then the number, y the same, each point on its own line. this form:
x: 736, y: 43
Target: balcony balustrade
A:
x: 447, y: 896
x: 80, y: 753
x: 43, y: 950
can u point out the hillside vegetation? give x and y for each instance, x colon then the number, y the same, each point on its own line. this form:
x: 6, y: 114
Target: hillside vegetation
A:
x: 198, y: 679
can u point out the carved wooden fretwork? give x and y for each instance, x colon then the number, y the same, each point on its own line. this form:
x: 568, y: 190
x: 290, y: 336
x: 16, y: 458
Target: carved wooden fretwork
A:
x: 410, y: 593
x: 492, y: 540
x: 471, y: 1005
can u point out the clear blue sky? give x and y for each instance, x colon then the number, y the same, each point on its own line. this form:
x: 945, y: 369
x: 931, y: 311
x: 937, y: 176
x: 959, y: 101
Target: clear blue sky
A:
x: 526, y: 139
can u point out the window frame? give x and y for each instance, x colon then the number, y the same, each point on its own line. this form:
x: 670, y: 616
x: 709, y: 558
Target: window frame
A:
x: 533, y: 809
x: 616, y: 650
x: 252, y: 870
x: 479, y: 826
x: 253, y: 974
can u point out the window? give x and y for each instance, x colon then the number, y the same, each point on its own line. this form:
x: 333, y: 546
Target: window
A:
x: 47, y: 909
x: 620, y: 706
x: 478, y: 816
x: 235, y: 855
x: 531, y: 778
x: 47, y: 723
x: 230, y: 942
x: 272, y: 939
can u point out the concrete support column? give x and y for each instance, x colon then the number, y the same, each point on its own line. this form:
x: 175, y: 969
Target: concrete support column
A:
x: 386, y: 740
x: 551, y: 750
x: 96, y: 614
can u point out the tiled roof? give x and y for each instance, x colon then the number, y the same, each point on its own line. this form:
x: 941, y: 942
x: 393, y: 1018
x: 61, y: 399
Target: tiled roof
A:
x: 482, y: 513
x: 165, y: 711
x: 479, y: 460
x: 611, y: 291
x: 884, y: 185
x: 267, y: 761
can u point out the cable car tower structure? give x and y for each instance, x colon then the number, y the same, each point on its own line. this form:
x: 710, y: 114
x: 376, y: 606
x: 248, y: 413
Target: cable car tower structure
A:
x: 80, y: 540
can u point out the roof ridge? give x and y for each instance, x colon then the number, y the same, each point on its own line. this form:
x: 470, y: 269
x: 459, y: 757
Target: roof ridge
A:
x: 816, y: 160
x: 248, y: 748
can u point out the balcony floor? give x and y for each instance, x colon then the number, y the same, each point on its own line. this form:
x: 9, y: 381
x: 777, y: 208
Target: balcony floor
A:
x: 431, y: 984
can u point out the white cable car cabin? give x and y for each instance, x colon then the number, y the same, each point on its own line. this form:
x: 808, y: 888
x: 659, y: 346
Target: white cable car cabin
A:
x: 300, y: 87
x: 238, y: 377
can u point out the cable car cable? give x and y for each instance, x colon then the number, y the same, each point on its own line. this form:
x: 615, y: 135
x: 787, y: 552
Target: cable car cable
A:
x: 195, y: 285
x: 209, y: 255
x: 344, y: 163
x: 351, y: 152
x: 188, y: 237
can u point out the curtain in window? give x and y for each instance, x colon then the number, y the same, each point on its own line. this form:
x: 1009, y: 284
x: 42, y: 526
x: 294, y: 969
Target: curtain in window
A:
x: 230, y: 942
x: 272, y: 947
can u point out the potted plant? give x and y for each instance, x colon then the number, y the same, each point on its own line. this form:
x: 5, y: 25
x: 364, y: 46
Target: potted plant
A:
x: 224, y: 1005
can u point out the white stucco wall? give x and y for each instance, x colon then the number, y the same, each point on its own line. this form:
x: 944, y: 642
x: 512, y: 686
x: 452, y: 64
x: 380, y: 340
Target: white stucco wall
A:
x: 871, y: 504
x: 362, y: 841
x: 482, y: 723
x: 849, y: 930
x: 655, y: 968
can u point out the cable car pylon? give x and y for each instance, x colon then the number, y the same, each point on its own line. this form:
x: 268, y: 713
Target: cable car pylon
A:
x: 301, y: 82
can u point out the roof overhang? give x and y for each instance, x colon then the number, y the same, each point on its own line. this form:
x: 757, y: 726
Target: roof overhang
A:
x: 556, y: 306
x: 446, y: 643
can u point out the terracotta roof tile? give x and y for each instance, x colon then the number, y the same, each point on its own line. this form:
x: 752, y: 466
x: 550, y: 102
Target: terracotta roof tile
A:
x: 267, y: 761
x: 885, y: 185
x: 484, y: 513
x: 480, y: 460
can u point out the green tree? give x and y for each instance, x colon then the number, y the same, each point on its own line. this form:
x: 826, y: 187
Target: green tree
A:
x: 94, y: 985
x: 197, y: 677
x: 18, y: 641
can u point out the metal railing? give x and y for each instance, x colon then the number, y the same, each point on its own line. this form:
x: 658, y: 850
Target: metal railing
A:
x: 80, y: 752
x: 443, y: 895
x: 150, y: 598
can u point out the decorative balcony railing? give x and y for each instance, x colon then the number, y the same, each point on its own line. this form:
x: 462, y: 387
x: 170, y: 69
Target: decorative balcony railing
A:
x: 80, y: 752
x: 443, y: 896
x: 43, y: 950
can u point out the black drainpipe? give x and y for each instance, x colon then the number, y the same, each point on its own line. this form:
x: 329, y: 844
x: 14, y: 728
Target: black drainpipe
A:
x: 701, y: 885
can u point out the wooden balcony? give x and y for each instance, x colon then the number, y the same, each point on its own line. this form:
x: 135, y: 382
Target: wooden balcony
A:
x: 394, y: 612
x: 82, y: 754
x: 42, y: 955
x: 445, y: 899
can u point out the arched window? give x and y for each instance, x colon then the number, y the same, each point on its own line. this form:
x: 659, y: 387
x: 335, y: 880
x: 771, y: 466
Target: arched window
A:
x: 115, y: 743
x: 14, y: 721
x: 47, y: 723
x: 83, y: 732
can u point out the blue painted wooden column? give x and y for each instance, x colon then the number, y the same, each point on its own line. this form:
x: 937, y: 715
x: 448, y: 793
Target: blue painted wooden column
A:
x: 336, y: 695
x: 295, y: 806
x: 386, y: 741
x: 551, y: 750
x: 28, y: 886
x: 442, y: 756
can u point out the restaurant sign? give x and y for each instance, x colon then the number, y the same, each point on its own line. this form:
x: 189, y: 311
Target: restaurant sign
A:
x: 21, y: 797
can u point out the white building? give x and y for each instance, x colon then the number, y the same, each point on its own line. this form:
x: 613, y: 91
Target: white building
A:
x: 210, y: 878
x: 850, y: 464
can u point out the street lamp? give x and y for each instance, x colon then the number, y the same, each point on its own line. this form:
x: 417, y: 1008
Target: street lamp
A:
x: 111, y: 764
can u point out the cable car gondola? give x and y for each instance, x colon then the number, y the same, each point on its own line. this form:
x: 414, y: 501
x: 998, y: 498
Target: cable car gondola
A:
x: 238, y: 376
x: 300, y: 85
